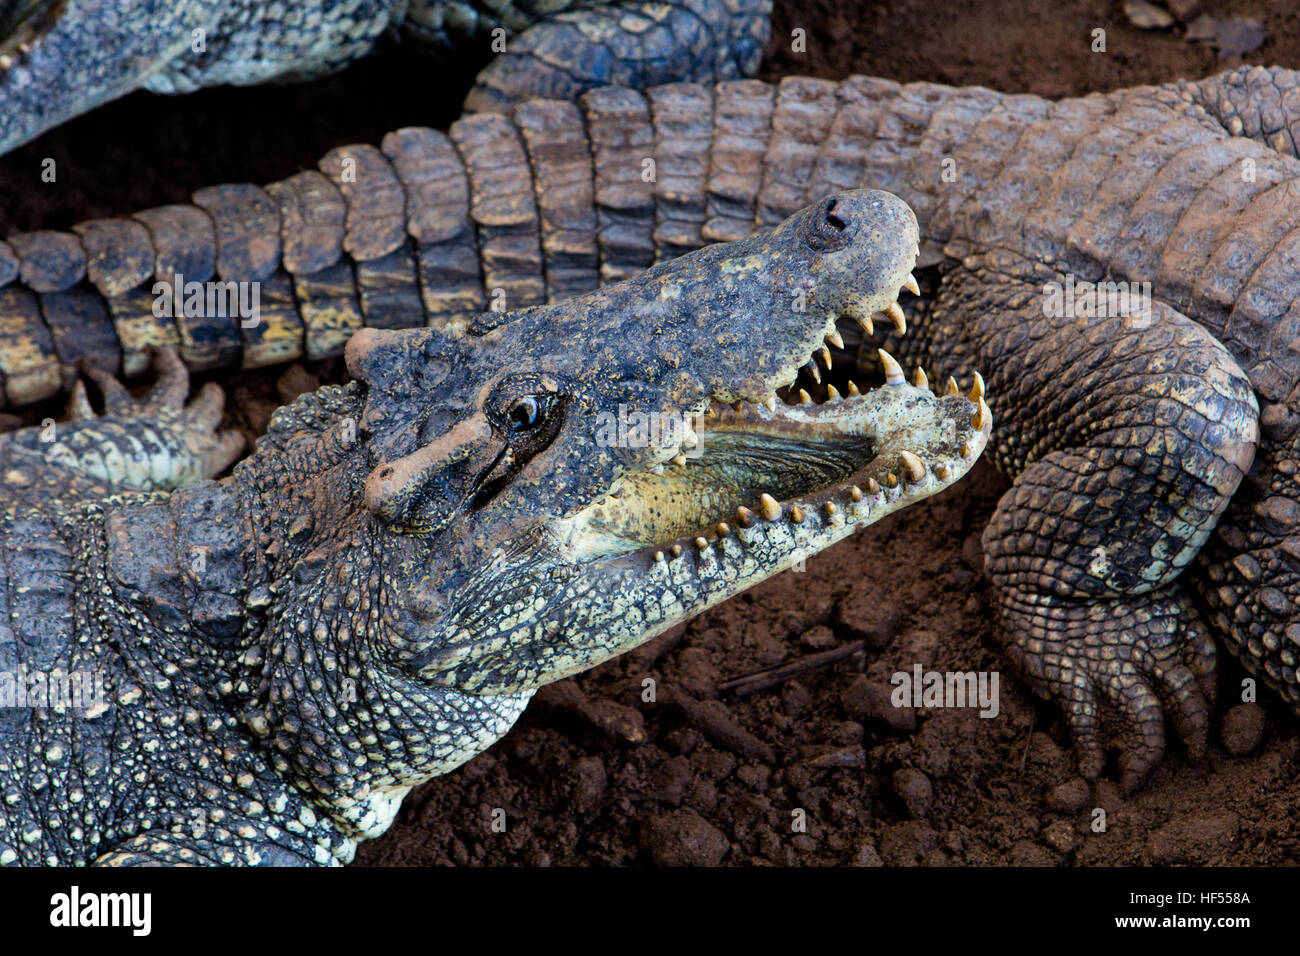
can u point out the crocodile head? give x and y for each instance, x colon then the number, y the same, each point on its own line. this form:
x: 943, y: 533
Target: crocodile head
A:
x: 561, y: 483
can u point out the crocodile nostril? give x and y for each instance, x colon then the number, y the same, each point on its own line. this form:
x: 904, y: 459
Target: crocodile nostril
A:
x: 834, y: 221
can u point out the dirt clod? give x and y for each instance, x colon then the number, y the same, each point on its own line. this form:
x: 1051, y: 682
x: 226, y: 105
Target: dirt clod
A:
x: 1242, y: 729
x: 913, y: 788
x: 683, y: 838
x: 868, y: 703
x: 1069, y: 797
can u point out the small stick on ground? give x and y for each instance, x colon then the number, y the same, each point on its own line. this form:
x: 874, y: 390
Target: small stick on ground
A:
x: 778, y: 674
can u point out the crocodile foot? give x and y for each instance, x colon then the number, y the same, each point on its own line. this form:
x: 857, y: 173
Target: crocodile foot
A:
x: 154, y: 444
x: 1116, y: 668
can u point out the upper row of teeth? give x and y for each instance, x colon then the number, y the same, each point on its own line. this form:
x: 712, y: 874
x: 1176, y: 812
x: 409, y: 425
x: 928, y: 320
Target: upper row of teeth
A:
x: 893, y: 312
x: 893, y: 376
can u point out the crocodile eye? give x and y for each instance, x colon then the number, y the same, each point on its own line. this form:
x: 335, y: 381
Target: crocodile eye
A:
x: 525, y: 414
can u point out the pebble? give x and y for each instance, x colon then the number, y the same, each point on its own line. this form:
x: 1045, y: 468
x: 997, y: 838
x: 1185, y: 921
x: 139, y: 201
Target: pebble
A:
x: 1242, y: 729
x: 1059, y: 835
x: 1069, y: 797
x: 671, y: 779
x: 860, y: 617
x: 914, y: 789
x: 868, y: 703
x: 683, y: 838
x: 820, y: 638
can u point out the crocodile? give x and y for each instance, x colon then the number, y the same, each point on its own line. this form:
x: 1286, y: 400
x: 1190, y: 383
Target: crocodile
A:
x: 372, y: 597
x: 1127, y: 434
x: 62, y: 58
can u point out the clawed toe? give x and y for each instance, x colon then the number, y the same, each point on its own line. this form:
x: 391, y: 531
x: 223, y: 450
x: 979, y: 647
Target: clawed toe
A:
x: 173, y: 385
x: 1151, y: 661
x: 207, y: 407
x: 117, y: 400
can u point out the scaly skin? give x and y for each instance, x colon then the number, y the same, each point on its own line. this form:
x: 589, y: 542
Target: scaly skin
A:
x: 371, y: 598
x: 1188, y: 186
x: 61, y: 58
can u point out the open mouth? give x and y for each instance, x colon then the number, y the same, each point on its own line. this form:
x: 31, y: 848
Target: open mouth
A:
x: 815, y: 460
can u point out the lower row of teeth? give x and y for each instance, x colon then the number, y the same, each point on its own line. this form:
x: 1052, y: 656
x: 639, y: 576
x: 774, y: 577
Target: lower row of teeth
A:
x: 769, y: 509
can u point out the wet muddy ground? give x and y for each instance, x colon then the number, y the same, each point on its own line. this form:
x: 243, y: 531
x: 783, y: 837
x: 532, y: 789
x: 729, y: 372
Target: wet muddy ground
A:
x: 814, y: 768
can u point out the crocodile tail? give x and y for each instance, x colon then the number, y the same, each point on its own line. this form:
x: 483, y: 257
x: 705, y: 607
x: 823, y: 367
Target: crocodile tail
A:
x: 500, y: 212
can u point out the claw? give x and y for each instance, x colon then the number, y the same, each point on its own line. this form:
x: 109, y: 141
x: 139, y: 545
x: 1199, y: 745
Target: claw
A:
x: 117, y: 400
x: 223, y: 452
x: 205, y: 410
x: 79, y: 409
x: 173, y: 385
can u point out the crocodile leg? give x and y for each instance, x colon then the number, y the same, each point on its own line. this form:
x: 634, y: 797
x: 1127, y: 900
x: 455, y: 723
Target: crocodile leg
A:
x: 156, y: 444
x: 1121, y: 468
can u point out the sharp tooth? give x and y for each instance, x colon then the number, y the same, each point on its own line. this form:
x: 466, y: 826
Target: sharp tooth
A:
x: 873, y: 486
x: 981, y: 417
x: 796, y: 514
x: 853, y: 388
x: 677, y: 550
x: 855, y: 493
x: 895, y: 313
x: 771, y: 403
x: 835, y: 339
x: 893, y: 371
x: 965, y: 450
x: 768, y: 507
x: 814, y: 371
x: 912, y: 466
x: 911, y: 286
x: 744, y: 517
x: 830, y: 508
x: 977, y: 388
x: 891, y: 479
x: 941, y: 472
x: 659, y: 556
x: 867, y: 325
x: 701, y: 543
x: 826, y: 357
x: 723, y: 529
x: 832, y: 393
x: 951, y: 388
x: 679, y: 460
x: 804, y: 397
x: 919, y: 379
